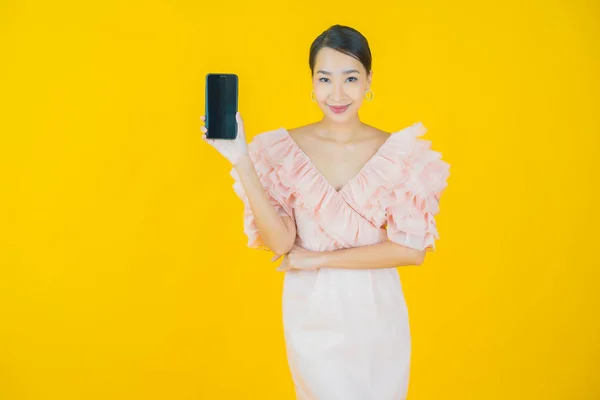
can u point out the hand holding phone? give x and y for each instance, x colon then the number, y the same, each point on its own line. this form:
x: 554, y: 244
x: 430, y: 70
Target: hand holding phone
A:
x: 233, y: 150
x: 221, y: 105
x: 224, y: 128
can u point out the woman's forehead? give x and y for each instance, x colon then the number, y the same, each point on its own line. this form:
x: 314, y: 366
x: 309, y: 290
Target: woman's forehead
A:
x: 336, y: 62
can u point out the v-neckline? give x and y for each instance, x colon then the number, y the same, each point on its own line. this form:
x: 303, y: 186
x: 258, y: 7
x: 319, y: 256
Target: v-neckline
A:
x: 321, y: 176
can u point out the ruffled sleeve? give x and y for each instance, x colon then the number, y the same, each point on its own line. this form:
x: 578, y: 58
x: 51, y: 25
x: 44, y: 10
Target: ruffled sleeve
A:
x: 413, y: 201
x: 266, y: 151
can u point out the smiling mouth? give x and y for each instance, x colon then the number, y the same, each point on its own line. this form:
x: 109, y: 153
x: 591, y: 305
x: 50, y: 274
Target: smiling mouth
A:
x: 332, y: 106
x: 338, y: 109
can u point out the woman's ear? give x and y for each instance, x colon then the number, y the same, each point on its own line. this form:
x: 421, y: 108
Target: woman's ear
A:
x: 369, y: 78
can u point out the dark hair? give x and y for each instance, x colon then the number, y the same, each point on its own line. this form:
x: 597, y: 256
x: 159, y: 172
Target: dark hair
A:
x: 345, y: 40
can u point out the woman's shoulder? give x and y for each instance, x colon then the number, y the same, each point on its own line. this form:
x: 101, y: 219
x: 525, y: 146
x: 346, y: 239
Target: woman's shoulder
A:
x: 378, y: 137
x: 302, y: 133
x: 270, y: 146
x: 418, y: 163
x: 266, y: 137
x: 408, y: 143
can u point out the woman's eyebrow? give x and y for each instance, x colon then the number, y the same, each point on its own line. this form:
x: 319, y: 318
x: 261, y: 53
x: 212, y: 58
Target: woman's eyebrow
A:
x: 348, y: 71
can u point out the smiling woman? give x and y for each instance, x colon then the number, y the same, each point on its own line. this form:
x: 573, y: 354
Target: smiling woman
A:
x: 346, y: 203
x: 340, y: 91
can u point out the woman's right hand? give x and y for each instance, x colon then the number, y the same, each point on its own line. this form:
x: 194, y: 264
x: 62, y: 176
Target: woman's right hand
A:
x: 299, y: 258
x: 233, y: 150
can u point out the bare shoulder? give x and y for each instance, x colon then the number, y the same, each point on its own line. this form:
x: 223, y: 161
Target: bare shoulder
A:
x: 304, y: 133
x: 376, y: 135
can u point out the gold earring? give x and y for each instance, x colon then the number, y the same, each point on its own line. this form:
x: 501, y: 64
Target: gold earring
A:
x: 312, y: 96
x: 369, y: 98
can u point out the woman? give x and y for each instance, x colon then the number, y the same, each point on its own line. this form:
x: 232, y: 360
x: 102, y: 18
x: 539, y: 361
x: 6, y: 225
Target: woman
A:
x: 345, y: 203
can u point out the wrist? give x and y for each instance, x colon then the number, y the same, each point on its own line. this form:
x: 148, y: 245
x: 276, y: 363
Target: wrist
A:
x: 320, y: 258
x: 242, y: 162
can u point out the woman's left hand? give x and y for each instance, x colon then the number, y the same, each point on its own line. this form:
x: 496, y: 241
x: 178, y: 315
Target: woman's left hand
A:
x: 299, y: 258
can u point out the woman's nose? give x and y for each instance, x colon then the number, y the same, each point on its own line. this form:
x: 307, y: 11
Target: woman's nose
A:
x: 338, y: 92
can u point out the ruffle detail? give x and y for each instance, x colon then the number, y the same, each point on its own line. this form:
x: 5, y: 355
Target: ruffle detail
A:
x: 399, y: 187
x: 296, y: 180
x: 264, y: 148
x: 402, y: 186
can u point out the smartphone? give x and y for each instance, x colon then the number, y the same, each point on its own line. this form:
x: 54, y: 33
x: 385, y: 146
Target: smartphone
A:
x: 221, y: 106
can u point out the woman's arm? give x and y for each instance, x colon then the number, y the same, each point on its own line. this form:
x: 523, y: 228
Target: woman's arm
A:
x: 278, y: 233
x: 381, y: 255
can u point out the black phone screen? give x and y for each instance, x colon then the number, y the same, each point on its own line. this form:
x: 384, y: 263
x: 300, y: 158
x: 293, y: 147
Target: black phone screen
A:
x: 221, y: 105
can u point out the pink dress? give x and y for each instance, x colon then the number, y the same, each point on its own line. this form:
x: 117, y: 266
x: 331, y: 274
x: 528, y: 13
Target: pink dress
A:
x: 347, y: 331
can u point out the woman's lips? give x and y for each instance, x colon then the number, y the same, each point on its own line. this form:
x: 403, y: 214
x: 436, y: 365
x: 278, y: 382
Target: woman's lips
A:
x: 338, y: 109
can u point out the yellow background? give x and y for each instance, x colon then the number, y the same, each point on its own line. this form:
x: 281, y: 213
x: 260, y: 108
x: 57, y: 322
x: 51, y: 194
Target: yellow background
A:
x: 123, y: 267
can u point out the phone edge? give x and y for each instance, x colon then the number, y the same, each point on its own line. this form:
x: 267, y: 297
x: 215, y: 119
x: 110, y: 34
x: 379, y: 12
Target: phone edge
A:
x: 237, y: 95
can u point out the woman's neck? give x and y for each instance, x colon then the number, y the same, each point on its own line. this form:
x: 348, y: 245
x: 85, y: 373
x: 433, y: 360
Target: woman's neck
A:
x: 341, y: 132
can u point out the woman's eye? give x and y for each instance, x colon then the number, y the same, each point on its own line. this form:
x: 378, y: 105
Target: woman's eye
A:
x: 324, y: 79
x: 353, y: 79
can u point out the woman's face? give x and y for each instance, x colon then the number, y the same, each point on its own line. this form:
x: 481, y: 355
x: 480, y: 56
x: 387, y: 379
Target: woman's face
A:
x: 339, y: 82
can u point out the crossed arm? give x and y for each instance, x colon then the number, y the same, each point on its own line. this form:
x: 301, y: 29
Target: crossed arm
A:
x: 381, y: 255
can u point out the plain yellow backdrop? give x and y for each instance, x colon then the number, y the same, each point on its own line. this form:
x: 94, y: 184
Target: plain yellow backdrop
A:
x: 123, y: 267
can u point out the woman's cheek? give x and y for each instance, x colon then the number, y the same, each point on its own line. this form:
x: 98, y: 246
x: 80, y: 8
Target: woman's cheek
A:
x: 321, y: 94
x: 357, y: 93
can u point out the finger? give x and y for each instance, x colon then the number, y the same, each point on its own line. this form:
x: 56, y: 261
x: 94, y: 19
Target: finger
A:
x: 202, y: 118
x: 238, y: 118
x: 276, y: 257
x: 207, y: 140
x: 203, y: 129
